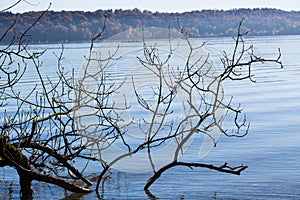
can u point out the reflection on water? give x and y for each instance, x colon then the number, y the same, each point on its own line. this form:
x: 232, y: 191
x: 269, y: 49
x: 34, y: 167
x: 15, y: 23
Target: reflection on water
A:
x: 271, y: 149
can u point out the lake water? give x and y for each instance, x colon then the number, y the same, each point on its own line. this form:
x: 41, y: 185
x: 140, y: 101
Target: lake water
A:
x: 271, y: 150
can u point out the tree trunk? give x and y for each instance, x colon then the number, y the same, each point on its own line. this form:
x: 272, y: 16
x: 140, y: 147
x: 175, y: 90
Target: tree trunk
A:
x: 12, y: 156
x: 26, y: 191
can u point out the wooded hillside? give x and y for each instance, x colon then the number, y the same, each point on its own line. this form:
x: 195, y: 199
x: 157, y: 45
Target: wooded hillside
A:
x: 77, y: 26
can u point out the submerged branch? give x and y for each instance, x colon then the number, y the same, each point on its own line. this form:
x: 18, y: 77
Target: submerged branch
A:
x: 223, y: 168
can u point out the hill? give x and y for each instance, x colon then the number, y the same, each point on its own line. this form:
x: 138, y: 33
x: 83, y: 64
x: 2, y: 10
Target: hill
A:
x: 77, y: 26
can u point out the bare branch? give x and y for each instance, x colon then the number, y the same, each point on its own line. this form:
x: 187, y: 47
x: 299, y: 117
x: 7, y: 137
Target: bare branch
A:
x: 223, y: 168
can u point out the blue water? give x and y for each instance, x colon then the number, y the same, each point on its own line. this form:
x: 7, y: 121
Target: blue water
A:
x: 271, y: 150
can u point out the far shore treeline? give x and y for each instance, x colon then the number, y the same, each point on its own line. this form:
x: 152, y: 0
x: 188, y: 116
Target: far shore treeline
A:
x: 78, y: 26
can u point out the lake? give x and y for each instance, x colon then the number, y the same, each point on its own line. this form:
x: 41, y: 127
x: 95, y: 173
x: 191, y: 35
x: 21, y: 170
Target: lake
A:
x: 271, y: 150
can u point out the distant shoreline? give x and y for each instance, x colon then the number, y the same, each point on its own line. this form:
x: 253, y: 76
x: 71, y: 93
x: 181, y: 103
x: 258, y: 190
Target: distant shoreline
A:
x: 79, y: 27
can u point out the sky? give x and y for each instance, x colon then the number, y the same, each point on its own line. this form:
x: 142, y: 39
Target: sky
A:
x: 152, y: 5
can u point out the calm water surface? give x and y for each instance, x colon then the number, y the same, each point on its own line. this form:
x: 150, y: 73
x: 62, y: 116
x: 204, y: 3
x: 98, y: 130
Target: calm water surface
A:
x: 271, y: 149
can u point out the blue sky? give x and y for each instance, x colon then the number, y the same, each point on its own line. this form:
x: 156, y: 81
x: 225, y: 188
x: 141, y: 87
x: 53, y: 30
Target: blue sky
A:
x: 152, y: 5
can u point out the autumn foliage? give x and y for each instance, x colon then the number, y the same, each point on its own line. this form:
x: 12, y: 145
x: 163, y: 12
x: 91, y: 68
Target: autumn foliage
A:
x: 78, y: 26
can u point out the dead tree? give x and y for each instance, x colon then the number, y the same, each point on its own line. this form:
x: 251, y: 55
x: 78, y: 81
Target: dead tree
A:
x: 236, y: 67
x: 38, y: 137
x: 204, y: 108
x: 47, y: 131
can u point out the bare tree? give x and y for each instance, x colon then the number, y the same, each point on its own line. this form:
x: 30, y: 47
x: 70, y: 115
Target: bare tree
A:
x: 38, y: 137
x: 204, y: 108
x: 236, y: 67
x: 46, y: 131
